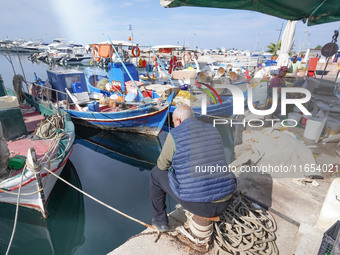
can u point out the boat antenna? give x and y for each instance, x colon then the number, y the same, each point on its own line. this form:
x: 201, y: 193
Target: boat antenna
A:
x: 133, y: 81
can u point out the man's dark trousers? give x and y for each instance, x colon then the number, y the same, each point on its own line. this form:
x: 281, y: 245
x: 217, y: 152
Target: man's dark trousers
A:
x: 159, y: 186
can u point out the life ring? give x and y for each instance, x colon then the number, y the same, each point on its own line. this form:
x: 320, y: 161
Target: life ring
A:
x: 95, y: 53
x: 194, y: 56
x: 136, y: 52
x: 186, y: 57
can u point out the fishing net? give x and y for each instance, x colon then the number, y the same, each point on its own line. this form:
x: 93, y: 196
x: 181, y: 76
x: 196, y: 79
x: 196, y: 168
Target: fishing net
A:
x: 50, y: 127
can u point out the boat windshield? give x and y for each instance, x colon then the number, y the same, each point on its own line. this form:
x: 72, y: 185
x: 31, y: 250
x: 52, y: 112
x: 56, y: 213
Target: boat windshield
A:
x: 71, y: 79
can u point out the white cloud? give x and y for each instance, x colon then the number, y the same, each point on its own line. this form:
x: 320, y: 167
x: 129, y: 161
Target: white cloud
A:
x: 126, y: 4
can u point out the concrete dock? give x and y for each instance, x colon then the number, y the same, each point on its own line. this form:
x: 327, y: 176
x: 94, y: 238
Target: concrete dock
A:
x: 294, y: 204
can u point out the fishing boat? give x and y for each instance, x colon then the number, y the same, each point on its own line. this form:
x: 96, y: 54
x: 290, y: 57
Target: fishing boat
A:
x: 66, y: 224
x: 79, y: 56
x: 134, y: 149
x: 218, y: 98
x: 127, y: 114
x: 76, y: 59
x: 119, y: 80
x: 39, y: 139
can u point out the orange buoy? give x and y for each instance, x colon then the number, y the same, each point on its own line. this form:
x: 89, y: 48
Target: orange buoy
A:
x: 135, y: 51
x: 186, y: 57
x: 95, y: 52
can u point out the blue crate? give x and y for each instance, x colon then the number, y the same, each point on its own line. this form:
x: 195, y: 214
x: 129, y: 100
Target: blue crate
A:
x: 77, y: 87
x: 94, y: 107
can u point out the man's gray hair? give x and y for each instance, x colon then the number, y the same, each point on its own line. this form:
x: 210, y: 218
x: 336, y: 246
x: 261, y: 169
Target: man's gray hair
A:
x: 183, y: 112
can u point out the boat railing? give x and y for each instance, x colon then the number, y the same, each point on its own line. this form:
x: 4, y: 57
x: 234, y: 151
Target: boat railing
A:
x: 46, y: 93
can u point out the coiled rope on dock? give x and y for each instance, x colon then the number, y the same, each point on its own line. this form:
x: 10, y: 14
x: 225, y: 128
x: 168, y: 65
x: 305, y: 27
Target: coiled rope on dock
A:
x: 245, y: 228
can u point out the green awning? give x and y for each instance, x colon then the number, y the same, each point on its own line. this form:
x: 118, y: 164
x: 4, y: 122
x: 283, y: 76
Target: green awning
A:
x: 313, y: 11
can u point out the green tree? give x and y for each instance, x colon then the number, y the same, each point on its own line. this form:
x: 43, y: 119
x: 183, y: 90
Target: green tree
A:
x: 273, y: 48
x: 318, y: 47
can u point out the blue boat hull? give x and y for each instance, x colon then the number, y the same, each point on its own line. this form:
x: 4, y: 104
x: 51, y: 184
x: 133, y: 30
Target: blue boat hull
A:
x: 145, y: 120
x: 226, y: 109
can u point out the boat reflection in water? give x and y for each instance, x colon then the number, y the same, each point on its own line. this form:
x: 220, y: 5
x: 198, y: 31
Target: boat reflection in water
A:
x: 61, y: 233
x: 134, y: 149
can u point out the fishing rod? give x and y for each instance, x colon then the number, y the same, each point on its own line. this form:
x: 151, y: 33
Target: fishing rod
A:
x: 127, y: 71
x: 160, y: 63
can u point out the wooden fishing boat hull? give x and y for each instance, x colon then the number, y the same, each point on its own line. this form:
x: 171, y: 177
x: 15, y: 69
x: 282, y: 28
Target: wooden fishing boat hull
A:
x: 31, y: 194
x: 146, y: 120
x: 49, y: 233
x: 9, y: 188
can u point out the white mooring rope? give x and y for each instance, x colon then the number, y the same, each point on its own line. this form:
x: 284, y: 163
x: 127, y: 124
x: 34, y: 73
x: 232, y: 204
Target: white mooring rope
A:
x: 16, y: 215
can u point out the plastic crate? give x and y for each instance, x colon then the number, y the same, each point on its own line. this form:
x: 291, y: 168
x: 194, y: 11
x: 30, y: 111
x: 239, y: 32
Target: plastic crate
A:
x: 94, y: 107
x: 330, y: 240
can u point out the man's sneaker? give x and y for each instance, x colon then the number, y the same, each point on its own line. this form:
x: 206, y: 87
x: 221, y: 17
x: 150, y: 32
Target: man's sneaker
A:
x: 160, y: 227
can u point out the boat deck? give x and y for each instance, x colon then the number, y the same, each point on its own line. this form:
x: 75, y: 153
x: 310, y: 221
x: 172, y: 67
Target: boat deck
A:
x: 32, y: 120
x: 21, y: 146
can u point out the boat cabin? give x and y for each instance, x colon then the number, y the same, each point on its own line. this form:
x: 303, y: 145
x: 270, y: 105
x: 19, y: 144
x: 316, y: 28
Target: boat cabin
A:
x: 11, y: 119
x: 61, y: 80
x: 116, y: 72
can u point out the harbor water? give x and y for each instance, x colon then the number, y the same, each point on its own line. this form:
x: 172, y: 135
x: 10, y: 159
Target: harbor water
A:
x: 113, y: 167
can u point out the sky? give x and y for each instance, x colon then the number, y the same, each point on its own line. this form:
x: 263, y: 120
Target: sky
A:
x: 90, y: 21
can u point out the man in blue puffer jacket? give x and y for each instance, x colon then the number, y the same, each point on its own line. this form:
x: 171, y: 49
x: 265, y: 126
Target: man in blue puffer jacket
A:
x: 192, y: 169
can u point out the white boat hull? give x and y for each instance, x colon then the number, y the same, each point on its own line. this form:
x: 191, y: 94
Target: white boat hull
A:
x: 30, y: 186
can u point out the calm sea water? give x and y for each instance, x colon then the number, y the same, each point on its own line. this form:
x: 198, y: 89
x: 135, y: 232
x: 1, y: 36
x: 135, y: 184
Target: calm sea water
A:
x: 113, y: 167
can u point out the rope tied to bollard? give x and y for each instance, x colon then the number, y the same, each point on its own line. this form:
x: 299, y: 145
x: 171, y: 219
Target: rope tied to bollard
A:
x: 245, y: 227
x: 100, y: 202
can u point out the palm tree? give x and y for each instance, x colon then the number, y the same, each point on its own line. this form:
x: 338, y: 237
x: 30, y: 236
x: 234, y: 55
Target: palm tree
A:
x: 273, y: 48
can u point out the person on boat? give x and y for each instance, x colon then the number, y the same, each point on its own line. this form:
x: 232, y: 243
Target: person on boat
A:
x: 294, y: 65
x: 181, y: 171
x: 279, y: 81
